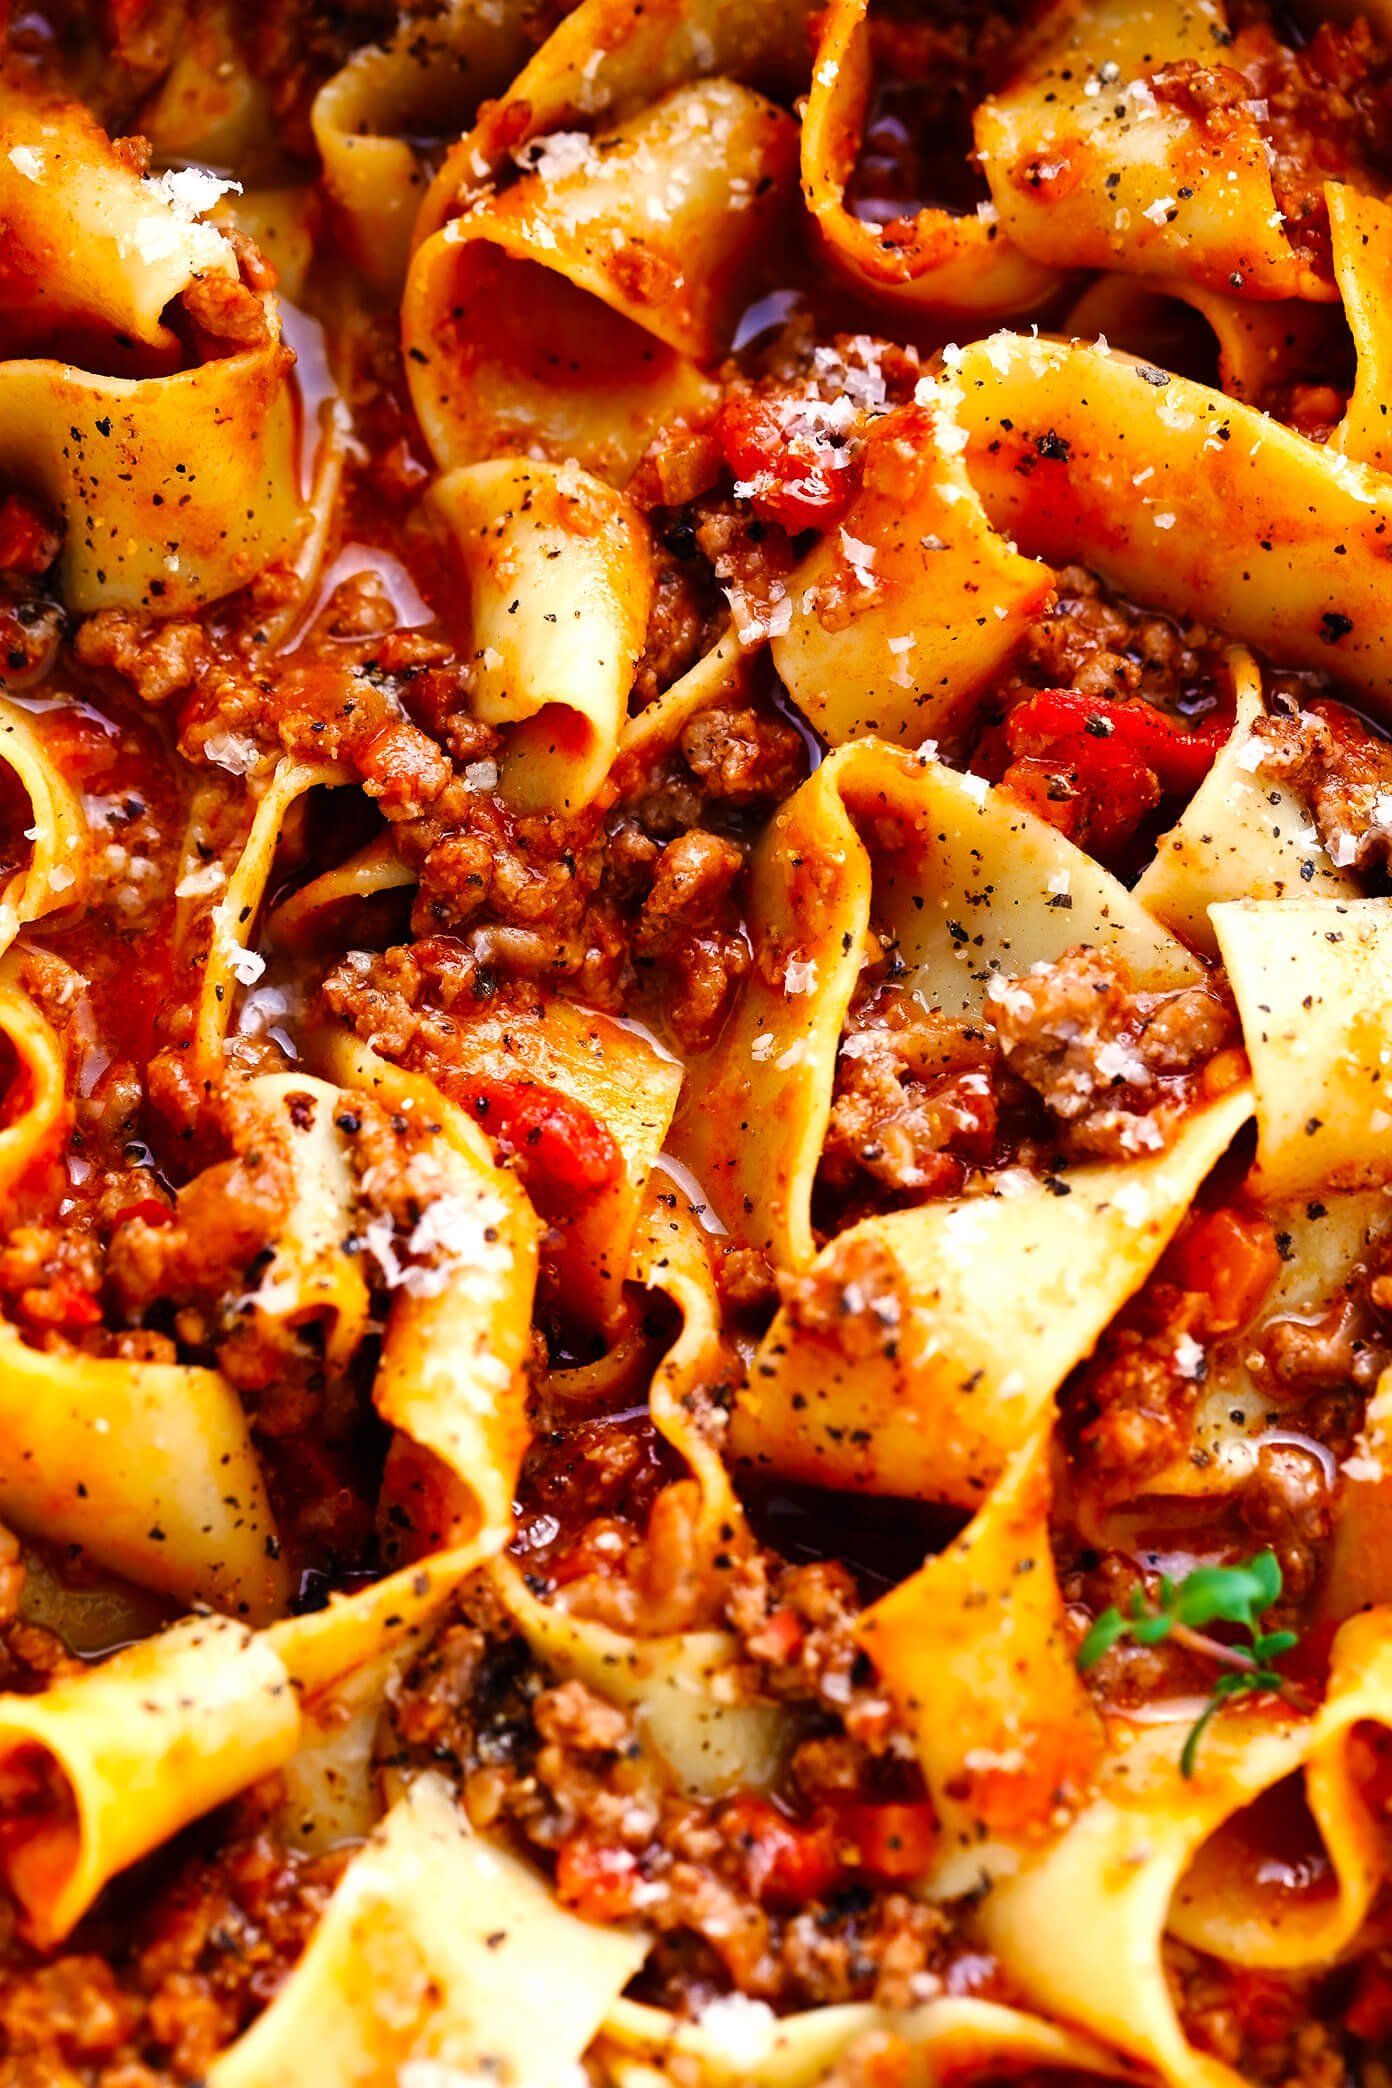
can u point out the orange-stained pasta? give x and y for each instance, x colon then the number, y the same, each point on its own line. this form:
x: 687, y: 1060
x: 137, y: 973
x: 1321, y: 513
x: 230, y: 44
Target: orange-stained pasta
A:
x: 695, y: 1020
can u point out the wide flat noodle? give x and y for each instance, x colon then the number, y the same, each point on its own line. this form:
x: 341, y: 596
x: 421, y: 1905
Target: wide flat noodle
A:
x: 633, y: 248
x: 945, y: 846
x: 952, y: 262
x: 1140, y: 473
x: 505, y: 1986
x: 936, y: 1337
x: 1092, y: 165
x: 559, y: 574
x: 1313, y: 983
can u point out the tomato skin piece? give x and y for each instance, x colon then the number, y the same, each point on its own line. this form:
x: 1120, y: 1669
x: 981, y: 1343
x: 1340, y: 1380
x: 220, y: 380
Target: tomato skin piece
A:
x: 1097, y: 737
x: 1232, y: 1258
x: 565, y: 1156
x: 149, y: 1209
x: 800, y: 482
x: 786, y: 1861
x: 595, y: 1878
x: 895, y: 1840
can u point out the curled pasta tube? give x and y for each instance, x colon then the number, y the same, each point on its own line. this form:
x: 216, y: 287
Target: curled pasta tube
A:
x: 885, y: 633
x: 450, y: 1378
x: 1123, y: 178
x: 100, y: 1769
x: 1360, y: 230
x: 949, y: 2038
x: 631, y: 248
x: 683, y: 1686
x: 305, y: 920
x: 147, y: 1468
x: 1259, y: 346
x: 559, y: 573
x: 138, y: 464
x: 37, y: 1131
x: 55, y: 874
x: 757, y: 1142
x: 1139, y: 473
x: 1313, y: 983
x: 951, y: 263
x: 606, y: 57
x: 1242, y: 835
x: 429, y: 73
x: 1149, y: 1854
x: 234, y: 917
x: 102, y: 250
x: 983, y: 1307
x: 974, y: 1652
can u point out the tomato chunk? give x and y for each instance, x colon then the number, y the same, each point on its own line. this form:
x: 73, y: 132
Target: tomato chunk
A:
x: 895, y: 1840
x: 1232, y: 1258
x: 786, y: 1861
x: 566, y: 1156
x: 801, y: 477
x: 1098, y: 737
x: 596, y: 1878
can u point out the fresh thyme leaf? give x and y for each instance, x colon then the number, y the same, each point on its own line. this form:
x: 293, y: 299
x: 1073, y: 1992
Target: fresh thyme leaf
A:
x: 1101, y: 1638
x: 1209, y: 1595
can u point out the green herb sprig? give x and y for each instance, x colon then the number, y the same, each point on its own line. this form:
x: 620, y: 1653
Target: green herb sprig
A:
x: 1209, y: 1595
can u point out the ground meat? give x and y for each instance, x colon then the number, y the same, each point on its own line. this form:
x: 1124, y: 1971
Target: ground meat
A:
x: 743, y: 755
x: 915, y: 1102
x: 688, y: 918
x: 1275, y: 2029
x: 1286, y: 1505
x: 228, y: 311
x: 1136, y: 1400
x: 1108, y: 1062
x: 778, y: 1899
x: 1093, y: 640
x: 224, y: 1218
x: 1128, y: 1674
x: 1329, y: 112
x: 1344, y: 774
x: 750, y: 558
x: 155, y: 1983
x: 855, y: 1303
x: 159, y: 660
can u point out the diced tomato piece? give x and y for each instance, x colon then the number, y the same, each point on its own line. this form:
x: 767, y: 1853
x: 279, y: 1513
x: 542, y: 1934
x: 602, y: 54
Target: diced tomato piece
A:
x: 596, y: 1878
x: 895, y: 1841
x: 147, y: 1208
x: 1231, y: 1257
x: 800, y: 477
x: 1101, y: 815
x: 779, y: 1640
x: 1097, y: 737
x: 61, y: 1304
x: 786, y: 1861
x: 566, y: 1156
x: 29, y: 539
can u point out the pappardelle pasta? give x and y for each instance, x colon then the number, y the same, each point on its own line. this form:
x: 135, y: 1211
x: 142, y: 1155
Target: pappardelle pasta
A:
x: 695, y: 1044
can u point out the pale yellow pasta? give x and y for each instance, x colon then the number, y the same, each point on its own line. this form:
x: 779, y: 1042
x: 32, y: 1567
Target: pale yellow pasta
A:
x: 1313, y: 983
x: 558, y: 574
